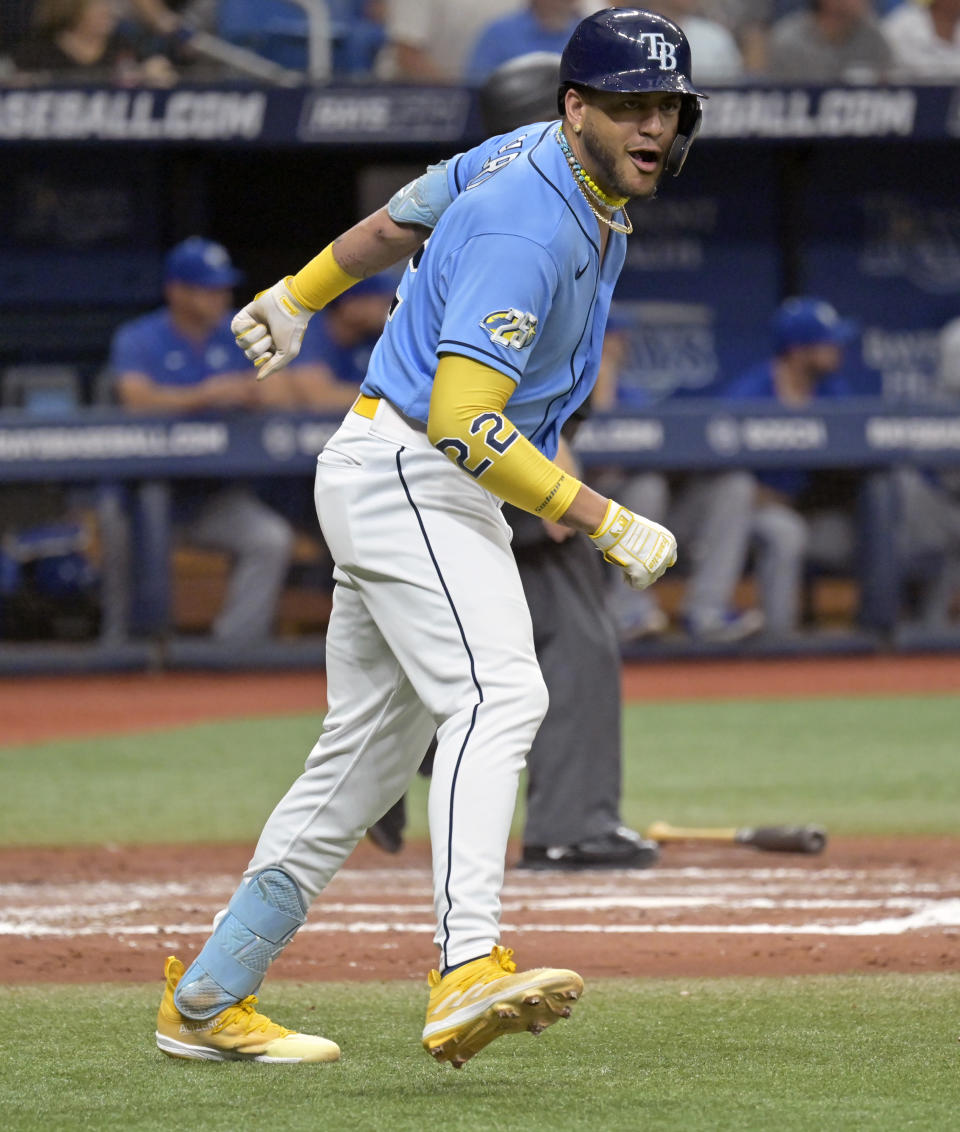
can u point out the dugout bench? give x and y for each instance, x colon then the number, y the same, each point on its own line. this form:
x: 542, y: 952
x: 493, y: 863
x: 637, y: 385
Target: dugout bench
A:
x: 131, y: 462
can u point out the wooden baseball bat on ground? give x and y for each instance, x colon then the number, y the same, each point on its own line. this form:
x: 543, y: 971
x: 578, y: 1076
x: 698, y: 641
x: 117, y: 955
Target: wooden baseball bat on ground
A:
x: 777, y: 838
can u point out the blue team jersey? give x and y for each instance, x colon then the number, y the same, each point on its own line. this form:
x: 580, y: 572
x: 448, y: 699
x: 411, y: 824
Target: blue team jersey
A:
x: 757, y: 384
x: 153, y: 346
x: 510, y: 277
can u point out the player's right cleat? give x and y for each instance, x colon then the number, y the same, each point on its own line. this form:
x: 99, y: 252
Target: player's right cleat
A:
x: 473, y: 1004
x: 238, y: 1033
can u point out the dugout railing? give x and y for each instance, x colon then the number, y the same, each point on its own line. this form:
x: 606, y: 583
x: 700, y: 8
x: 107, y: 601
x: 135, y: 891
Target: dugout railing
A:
x: 126, y: 465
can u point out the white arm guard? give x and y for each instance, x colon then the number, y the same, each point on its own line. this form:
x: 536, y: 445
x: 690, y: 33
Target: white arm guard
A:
x: 642, y: 549
x: 424, y: 200
x: 270, y: 329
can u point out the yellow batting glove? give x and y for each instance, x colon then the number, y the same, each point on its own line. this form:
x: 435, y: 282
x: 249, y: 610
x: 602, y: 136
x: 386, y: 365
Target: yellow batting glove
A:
x: 642, y: 549
x: 270, y: 329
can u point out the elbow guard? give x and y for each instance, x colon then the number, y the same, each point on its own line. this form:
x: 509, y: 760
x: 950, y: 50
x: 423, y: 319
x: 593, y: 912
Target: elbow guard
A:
x: 424, y: 200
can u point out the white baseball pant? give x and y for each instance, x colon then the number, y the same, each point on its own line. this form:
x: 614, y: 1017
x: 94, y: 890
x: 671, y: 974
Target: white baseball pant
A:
x: 429, y: 630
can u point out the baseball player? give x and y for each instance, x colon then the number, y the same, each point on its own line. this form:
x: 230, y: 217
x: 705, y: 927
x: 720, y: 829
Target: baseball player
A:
x: 492, y: 343
x: 574, y: 765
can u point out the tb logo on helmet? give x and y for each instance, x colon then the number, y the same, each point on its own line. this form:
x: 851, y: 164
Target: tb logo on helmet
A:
x: 659, y: 48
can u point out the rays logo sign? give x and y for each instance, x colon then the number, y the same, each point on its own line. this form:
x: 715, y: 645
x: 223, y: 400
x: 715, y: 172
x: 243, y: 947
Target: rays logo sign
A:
x: 511, y: 328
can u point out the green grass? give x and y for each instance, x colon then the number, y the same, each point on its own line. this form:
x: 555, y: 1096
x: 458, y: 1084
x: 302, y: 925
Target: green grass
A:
x: 698, y: 1055
x: 865, y: 765
x: 209, y: 782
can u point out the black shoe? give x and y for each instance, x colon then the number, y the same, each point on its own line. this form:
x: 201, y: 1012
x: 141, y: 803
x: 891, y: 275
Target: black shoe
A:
x: 387, y: 833
x: 622, y: 848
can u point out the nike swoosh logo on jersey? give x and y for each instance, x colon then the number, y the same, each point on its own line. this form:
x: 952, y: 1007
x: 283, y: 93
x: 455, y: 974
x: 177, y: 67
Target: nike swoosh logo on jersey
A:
x: 581, y: 270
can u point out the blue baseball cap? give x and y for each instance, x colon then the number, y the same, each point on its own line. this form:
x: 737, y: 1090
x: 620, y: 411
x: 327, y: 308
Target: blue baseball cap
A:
x: 200, y: 263
x: 806, y: 321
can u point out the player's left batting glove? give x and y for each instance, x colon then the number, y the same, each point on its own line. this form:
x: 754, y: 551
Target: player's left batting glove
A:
x: 642, y: 549
x: 270, y: 329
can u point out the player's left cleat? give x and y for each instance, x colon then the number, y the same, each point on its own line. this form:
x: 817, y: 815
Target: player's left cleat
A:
x: 473, y: 1004
x: 238, y: 1033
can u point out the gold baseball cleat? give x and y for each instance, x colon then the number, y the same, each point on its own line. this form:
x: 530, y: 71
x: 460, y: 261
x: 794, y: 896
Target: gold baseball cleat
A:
x: 473, y: 1004
x: 238, y: 1033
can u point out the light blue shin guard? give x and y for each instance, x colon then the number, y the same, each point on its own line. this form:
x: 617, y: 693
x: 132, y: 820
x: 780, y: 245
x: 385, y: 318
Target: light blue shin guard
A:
x: 262, y: 917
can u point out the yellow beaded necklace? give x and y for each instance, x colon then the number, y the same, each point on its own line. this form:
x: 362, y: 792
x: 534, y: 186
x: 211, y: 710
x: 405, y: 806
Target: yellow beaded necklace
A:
x: 590, y: 189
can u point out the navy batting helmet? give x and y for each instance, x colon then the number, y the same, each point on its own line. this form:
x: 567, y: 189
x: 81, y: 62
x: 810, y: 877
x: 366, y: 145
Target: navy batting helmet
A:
x: 630, y: 50
x: 524, y: 89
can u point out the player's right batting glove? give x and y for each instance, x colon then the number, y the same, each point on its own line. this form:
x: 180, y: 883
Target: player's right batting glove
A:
x: 270, y: 329
x: 642, y: 549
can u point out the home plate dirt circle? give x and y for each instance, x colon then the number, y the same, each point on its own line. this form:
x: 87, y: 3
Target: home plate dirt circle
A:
x: 864, y: 905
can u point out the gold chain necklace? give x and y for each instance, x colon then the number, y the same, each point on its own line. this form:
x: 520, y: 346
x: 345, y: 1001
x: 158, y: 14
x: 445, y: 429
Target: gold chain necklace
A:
x: 590, y: 189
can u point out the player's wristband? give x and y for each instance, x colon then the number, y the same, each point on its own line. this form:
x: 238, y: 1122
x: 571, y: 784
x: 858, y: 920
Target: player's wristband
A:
x: 320, y: 281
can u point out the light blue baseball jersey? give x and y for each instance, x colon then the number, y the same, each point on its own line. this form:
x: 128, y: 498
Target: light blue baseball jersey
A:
x: 511, y: 277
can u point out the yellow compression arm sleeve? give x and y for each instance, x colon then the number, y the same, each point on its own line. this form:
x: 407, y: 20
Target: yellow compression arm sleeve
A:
x: 467, y: 423
x: 320, y: 281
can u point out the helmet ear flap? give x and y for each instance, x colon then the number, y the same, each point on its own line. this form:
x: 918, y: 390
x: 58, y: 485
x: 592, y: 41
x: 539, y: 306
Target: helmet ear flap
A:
x: 691, y: 117
x: 691, y: 114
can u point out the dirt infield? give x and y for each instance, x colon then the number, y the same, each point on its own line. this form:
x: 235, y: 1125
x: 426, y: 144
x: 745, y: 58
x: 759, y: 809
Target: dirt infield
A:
x: 109, y: 912
x: 863, y: 905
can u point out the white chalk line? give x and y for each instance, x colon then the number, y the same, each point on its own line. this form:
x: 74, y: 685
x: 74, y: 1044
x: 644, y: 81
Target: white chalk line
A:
x: 104, y: 913
x: 599, y: 885
x: 935, y: 914
x: 947, y: 915
x: 79, y: 909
